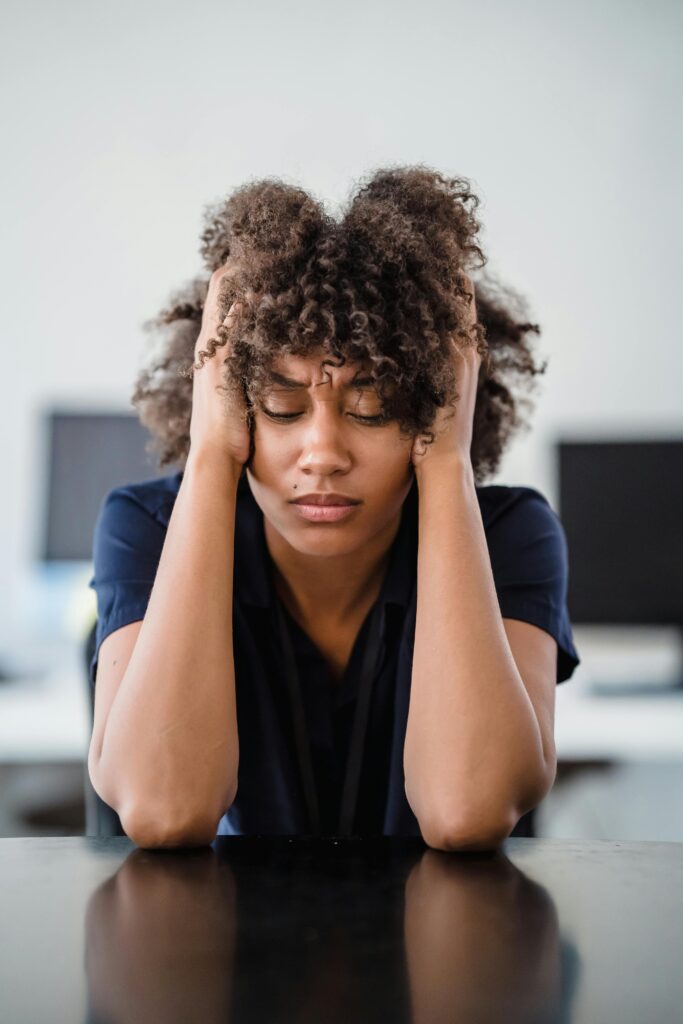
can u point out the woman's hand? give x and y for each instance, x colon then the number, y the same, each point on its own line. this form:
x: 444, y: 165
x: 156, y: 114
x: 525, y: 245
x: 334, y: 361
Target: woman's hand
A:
x: 219, y: 420
x: 453, y: 425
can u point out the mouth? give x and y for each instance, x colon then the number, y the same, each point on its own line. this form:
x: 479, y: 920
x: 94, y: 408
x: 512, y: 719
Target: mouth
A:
x: 324, y: 513
x: 324, y: 499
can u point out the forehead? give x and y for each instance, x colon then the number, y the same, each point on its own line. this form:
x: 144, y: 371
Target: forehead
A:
x: 298, y: 372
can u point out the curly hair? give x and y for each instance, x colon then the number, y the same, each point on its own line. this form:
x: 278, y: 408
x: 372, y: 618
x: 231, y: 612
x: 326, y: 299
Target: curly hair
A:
x: 384, y: 284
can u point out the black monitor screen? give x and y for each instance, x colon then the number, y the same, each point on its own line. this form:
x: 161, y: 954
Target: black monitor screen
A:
x: 621, y: 505
x: 88, y: 455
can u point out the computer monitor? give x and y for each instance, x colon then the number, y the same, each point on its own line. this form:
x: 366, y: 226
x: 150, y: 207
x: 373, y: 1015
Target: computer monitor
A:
x: 621, y: 505
x: 88, y: 453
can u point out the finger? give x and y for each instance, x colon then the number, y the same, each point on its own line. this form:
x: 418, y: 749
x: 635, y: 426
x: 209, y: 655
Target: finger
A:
x: 231, y: 312
x: 472, y: 303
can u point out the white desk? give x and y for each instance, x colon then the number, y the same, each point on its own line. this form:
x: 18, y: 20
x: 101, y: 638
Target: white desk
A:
x: 46, y: 718
x: 618, y: 728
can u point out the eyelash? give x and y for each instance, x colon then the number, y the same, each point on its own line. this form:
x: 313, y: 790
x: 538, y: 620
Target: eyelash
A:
x: 370, y: 420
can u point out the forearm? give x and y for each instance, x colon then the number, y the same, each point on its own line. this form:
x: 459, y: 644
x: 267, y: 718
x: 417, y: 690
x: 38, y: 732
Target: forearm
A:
x: 170, y: 746
x: 473, y: 748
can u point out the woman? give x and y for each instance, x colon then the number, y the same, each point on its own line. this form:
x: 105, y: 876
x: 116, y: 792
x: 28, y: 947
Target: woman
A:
x: 267, y: 662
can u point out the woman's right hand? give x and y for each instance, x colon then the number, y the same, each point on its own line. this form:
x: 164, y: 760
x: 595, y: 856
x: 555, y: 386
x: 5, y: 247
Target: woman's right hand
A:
x: 219, y: 420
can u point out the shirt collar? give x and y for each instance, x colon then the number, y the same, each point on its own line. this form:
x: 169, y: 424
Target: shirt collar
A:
x: 253, y: 564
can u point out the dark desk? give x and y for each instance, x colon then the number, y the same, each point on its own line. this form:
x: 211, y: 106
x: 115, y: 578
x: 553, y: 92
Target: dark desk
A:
x: 270, y: 930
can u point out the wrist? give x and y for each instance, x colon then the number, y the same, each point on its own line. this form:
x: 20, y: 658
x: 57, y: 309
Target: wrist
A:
x: 214, y: 461
x: 450, y: 465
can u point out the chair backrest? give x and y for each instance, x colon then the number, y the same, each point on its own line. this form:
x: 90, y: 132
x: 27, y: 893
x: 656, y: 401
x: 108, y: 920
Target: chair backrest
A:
x: 100, y: 818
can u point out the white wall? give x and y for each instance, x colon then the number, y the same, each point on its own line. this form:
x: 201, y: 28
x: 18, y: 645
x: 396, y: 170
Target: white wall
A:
x: 121, y: 121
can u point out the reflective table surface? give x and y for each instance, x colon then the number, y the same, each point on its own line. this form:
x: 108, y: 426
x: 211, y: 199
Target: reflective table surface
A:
x: 274, y: 929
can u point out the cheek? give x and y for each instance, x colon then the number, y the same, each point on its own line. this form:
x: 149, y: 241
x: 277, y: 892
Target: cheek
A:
x: 393, y: 454
x: 270, y: 448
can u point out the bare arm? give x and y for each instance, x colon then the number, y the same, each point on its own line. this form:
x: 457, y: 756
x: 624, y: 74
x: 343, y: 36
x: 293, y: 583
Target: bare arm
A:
x: 479, y: 747
x: 167, y: 755
x: 475, y: 757
x: 168, y: 759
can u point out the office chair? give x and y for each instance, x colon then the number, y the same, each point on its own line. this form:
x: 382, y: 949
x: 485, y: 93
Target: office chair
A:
x: 102, y: 820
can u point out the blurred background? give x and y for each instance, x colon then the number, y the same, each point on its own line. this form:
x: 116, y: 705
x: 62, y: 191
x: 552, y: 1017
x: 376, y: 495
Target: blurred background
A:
x: 121, y: 122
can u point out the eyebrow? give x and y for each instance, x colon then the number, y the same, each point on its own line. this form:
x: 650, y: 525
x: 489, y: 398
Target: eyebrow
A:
x: 298, y: 385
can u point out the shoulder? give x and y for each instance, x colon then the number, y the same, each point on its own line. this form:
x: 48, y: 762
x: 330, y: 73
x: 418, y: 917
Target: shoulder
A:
x: 149, y: 503
x: 153, y: 498
x: 130, y: 527
x: 524, y: 533
x: 502, y: 501
x: 506, y: 507
x: 530, y: 562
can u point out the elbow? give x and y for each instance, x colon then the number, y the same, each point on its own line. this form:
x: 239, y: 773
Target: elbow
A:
x: 152, y: 826
x: 486, y: 825
x: 469, y: 833
x: 151, y: 829
x: 160, y: 830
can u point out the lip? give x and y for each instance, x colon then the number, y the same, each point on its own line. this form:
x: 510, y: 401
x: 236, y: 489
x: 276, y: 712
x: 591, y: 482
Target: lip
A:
x: 324, y: 513
x: 325, y: 498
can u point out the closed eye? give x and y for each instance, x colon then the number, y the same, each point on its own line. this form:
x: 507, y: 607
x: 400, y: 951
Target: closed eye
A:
x: 293, y: 416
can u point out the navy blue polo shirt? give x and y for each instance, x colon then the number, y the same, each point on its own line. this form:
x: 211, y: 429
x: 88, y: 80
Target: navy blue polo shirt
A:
x: 529, y: 559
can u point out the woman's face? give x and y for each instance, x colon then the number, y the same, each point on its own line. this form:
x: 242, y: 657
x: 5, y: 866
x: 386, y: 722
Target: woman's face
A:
x: 326, y: 444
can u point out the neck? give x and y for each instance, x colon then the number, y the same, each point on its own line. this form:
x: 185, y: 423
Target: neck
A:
x: 332, y: 589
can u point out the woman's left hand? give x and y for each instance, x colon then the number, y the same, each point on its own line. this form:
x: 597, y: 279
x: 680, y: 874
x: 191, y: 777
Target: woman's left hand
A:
x: 453, y: 424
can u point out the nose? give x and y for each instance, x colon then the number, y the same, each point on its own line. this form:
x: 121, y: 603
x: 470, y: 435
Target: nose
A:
x: 324, y: 447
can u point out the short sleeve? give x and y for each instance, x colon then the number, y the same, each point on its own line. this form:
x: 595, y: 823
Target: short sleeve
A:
x: 127, y: 543
x: 530, y: 563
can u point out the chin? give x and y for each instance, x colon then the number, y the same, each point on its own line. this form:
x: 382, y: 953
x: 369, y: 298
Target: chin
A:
x: 325, y: 539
